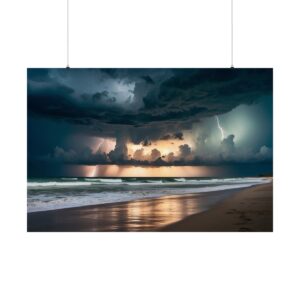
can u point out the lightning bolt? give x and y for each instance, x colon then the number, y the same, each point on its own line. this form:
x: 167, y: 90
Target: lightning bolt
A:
x: 220, y: 127
x: 94, y: 171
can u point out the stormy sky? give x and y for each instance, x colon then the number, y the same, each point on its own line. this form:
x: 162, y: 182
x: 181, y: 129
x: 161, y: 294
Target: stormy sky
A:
x: 80, y: 119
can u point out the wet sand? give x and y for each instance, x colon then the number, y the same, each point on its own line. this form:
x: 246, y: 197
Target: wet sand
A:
x: 138, y: 215
x: 248, y: 210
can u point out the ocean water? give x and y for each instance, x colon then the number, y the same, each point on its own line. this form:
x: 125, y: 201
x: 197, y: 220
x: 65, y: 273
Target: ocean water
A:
x: 58, y: 193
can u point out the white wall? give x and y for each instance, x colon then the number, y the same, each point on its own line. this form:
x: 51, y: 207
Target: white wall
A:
x: 156, y: 33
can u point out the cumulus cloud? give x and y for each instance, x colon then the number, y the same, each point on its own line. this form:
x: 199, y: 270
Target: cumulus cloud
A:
x: 265, y: 153
x: 226, y: 151
x: 185, y: 151
x: 139, y: 154
x: 170, y: 157
x: 155, y: 154
x: 227, y: 145
x: 120, y: 153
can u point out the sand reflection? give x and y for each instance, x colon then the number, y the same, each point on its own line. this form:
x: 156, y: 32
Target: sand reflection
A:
x: 143, y: 215
x: 140, y: 215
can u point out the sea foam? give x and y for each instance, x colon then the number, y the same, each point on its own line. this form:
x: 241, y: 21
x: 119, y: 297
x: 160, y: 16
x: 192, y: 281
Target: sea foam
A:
x: 49, y: 199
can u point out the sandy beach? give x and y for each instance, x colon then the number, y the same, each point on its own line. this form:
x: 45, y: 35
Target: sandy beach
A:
x: 248, y: 210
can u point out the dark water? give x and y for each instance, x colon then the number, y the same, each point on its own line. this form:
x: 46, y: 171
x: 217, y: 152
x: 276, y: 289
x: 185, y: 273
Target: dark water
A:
x: 58, y: 193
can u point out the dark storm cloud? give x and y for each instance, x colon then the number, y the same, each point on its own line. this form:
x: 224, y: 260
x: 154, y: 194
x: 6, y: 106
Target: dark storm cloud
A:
x: 185, y: 150
x: 38, y: 75
x: 228, y: 144
x: 155, y: 154
x: 149, y: 75
x: 176, y: 136
x: 86, y: 156
x: 148, y: 79
x: 58, y: 101
x: 102, y: 98
x: 120, y: 153
x: 186, y: 156
x: 139, y: 106
x: 183, y: 95
x: 59, y: 155
x: 146, y: 143
x: 213, y: 91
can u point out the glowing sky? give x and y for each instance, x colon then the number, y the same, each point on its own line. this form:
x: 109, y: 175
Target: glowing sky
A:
x: 148, y: 122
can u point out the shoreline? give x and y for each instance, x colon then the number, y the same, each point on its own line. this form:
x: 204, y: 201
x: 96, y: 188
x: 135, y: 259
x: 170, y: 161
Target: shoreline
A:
x: 150, y: 198
x: 156, y: 214
x: 250, y: 209
x: 204, y: 189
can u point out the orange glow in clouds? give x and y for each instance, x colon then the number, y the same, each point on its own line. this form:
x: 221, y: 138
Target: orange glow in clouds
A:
x: 104, y: 145
x: 163, y: 146
x: 147, y: 171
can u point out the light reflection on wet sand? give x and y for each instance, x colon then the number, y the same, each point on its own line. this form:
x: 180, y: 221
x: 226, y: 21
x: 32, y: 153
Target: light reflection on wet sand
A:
x: 141, y: 215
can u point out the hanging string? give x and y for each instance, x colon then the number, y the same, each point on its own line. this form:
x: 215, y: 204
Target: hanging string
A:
x: 232, y: 34
x: 68, y: 34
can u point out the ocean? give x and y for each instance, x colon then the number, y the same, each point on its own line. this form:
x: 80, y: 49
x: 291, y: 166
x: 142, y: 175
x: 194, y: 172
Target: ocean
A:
x: 57, y: 193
